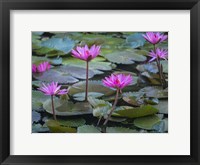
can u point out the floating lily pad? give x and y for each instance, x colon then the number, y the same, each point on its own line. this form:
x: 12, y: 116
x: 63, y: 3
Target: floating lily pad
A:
x: 53, y: 75
x: 43, y: 50
x: 75, y: 71
x: 155, y: 91
x: 161, y: 126
x: 102, y: 111
x: 55, y: 127
x: 147, y: 122
x: 37, y: 100
x: 153, y: 79
x: 152, y: 67
x: 36, y: 84
x: 119, y: 130
x: 53, y: 61
x: 131, y: 112
x: 81, y: 96
x: 162, y: 106
x: 72, y: 122
x: 35, y: 117
x: 95, y: 64
x: 101, y: 108
x: 88, y: 129
x: 117, y: 119
x: 127, y: 57
x: 38, y: 128
x: 37, y: 33
x: 135, y: 40
x: 134, y: 98
x: 62, y: 44
x: 97, y: 102
x: 94, y: 86
x: 67, y: 108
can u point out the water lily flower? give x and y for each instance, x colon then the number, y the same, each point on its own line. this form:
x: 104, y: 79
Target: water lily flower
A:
x: 154, y: 38
x: 34, y: 68
x: 118, y: 81
x: 159, y: 53
x: 52, y: 89
x: 86, y: 54
x: 42, y: 67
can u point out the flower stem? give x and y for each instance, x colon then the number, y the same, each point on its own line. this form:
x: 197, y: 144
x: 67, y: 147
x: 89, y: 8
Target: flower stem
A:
x: 159, y: 68
x: 113, y: 108
x: 86, y: 87
x: 52, y: 104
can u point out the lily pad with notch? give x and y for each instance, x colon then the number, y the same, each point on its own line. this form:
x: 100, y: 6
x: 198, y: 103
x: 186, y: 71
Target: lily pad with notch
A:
x: 67, y: 108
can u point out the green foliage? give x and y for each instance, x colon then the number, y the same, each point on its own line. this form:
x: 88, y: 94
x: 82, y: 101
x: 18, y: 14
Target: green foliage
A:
x: 127, y: 57
x: 62, y: 44
x: 131, y: 112
x: 67, y: 108
x: 146, y: 122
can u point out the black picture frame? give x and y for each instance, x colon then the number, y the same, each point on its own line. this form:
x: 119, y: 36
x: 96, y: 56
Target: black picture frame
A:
x: 7, y: 5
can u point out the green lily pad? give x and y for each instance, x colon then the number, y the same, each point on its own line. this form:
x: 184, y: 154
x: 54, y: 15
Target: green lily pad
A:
x: 96, y: 64
x: 117, y: 119
x: 162, y: 106
x: 43, y: 51
x: 37, y: 100
x: 161, y: 126
x: 75, y: 71
x: 152, y: 78
x: 134, y: 98
x: 35, y: 41
x: 67, y: 108
x: 94, y: 86
x: 53, y: 61
x: 101, y: 108
x: 131, y: 112
x: 155, y: 91
x: 146, y: 122
x: 152, y: 67
x: 35, y: 117
x: 62, y: 44
x: 38, y: 128
x: 81, y: 96
x: 55, y: 127
x: 127, y: 57
x: 135, y: 40
x: 102, y: 111
x: 72, y: 122
x: 88, y: 129
x: 36, y: 84
x: 53, y: 75
x: 119, y: 130
x: 37, y: 33
x: 97, y: 102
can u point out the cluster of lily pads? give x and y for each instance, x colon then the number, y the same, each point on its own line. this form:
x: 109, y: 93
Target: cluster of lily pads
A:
x: 99, y: 82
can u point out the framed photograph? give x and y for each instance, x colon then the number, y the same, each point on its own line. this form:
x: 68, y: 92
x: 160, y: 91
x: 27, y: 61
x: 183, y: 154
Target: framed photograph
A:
x: 98, y: 82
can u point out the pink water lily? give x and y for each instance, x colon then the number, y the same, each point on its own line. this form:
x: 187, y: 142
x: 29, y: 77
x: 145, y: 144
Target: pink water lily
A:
x: 118, y: 81
x: 159, y: 53
x: 42, y: 67
x: 154, y: 38
x: 85, y: 53
x: 34, y: 68
x: 52, y: 89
